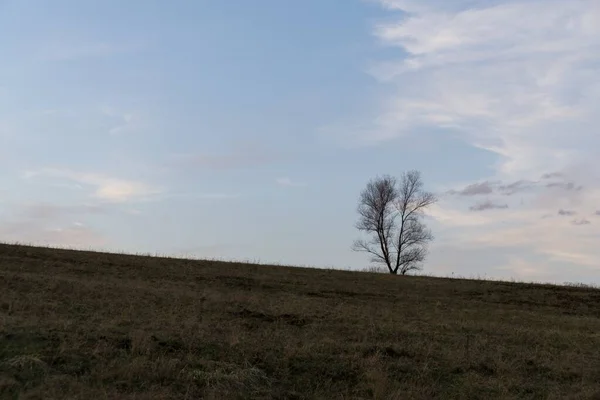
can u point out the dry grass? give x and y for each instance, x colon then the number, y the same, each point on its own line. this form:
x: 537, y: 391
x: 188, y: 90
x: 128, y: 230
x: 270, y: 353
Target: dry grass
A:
x: 80, y: 325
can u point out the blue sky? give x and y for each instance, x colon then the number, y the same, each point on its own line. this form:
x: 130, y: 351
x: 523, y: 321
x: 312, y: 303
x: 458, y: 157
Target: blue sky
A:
x: 246, y: 130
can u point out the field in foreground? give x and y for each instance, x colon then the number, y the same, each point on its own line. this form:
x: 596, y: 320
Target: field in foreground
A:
x: 81, y: 325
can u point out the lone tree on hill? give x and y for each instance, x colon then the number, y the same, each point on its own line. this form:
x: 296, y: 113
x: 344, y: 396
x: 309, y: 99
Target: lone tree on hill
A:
x: 391, y: 212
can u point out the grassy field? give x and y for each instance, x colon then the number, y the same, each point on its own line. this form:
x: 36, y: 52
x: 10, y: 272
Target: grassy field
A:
x: 81, y: 325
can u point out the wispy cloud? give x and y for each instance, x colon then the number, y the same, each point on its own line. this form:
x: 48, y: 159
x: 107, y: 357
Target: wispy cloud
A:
x: 522, y: 88
x: 565, y: 186
x: 288, y: 182
x: 566, y: 212
x: 51, y: 211
x: 457, y: 219
x: 53, y: 224
x: 528, y: 228
x: 121, y: 121
x: 582, y: 221
x: 70, y: 235
x: 516, y: 187
x: 509, y: 189
x: 104, y: 187
x: 476, y: 189
x: 488, y: 205
x: 552, y: 175
x: 520, y: 229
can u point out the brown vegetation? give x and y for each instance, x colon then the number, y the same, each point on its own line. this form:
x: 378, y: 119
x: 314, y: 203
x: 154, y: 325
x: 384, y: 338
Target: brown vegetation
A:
x: 83, y: 325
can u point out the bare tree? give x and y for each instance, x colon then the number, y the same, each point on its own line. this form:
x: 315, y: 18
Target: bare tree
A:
x: 391, y: 212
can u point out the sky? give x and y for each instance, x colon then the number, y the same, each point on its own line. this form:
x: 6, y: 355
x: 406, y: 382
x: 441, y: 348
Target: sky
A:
x: 246, y: 130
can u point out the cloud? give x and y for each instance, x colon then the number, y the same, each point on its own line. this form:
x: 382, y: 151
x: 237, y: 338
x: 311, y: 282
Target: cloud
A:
x: 105, y: 188
x: 475, y: 189
x: 526, y: 228
x: 526, y: 269
x: 516, y: 187
x: 582, y: 221
x: 414, y: 6
x: 488, y: 205
x: 32, y: 232
x: 519, y: 230
x: 51, y: 211
x: 552, y: 175
x: 288, y: 182
x: 569, y: 186
x: 51, y: 224
x: 121, y: 121
x: 597, y: 212
x: 454, y: 218
x: 525, y: 89
x: 566, y: 212
x: 497, y: 187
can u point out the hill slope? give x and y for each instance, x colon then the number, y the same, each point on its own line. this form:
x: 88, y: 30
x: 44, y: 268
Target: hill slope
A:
x: 85, y: 325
